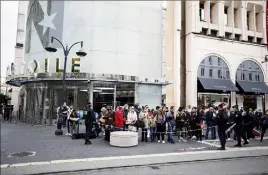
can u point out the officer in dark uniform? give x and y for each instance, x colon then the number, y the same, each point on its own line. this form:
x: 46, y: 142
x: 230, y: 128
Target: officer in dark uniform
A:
x: 89, y: 121
x: 65, y: 111
x: 221, y: 120
x: 239, y: 128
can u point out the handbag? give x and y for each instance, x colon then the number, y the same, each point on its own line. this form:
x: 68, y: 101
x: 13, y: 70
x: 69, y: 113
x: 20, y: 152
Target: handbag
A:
x: 255, y: 132
x: 139, y: 124
x: 202, y: 125
x: 102, y: 120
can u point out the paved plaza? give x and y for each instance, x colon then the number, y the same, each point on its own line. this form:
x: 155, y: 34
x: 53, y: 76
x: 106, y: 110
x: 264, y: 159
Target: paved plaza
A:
x: 46, y: 146
x: 41, y: 139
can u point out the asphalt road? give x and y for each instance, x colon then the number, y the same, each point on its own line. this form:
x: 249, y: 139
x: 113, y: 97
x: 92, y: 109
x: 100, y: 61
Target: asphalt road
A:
x: 245, y: 166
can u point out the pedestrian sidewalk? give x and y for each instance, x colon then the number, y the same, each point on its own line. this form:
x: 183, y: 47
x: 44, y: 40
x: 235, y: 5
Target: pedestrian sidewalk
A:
x: 64, y: 166
x: 42, y: 141
x: 52, y: 150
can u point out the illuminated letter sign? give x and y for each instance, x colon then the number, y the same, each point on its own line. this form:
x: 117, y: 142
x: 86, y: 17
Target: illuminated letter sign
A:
x: 75, y: 65
x: 46, y: 65
x: 58, y: 65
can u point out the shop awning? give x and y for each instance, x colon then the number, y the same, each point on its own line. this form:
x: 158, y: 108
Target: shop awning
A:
x: 217, y: 84
x: 256, y: 87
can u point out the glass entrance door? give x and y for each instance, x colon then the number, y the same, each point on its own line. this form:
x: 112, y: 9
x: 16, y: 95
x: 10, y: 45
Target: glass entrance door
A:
x: 103, y: 94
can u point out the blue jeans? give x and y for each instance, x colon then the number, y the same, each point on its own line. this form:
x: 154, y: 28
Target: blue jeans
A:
x: 212, y: 131
x: 152, y: 133
x: 170, y: 132
x: 119, y: 129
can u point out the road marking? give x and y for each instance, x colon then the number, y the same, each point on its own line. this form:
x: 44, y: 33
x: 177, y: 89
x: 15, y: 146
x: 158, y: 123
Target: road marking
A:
x: 212, y: 144
x: 230, y: 140
x: 192, y: 148
x: 131, y: 157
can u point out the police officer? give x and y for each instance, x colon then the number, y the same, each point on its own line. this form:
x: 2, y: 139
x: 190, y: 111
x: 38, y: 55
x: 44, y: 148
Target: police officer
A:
x: 239, y: 128
x: 89, y: 121
x: 221, y: 120
x: 65, y: 113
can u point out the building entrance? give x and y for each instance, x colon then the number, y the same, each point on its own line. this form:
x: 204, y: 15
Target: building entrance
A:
x: 112, y: 94
x: 103, y: 94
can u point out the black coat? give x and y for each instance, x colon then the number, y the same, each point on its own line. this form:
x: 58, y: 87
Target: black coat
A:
x: 209, y: 117
x: 90, y: 117
x: 238, y: 118
x: 180, y: 120
x: 247, y: 120
x: 222, y: 119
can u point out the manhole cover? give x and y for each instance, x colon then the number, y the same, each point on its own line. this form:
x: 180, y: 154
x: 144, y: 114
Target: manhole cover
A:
x: 154, y: 167
x: 22, y: 154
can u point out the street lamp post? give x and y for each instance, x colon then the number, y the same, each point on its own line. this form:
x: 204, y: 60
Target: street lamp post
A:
x: 66, y: 51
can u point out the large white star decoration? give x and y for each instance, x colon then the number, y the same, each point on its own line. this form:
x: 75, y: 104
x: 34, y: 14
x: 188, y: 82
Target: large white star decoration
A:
x: 47, y: 22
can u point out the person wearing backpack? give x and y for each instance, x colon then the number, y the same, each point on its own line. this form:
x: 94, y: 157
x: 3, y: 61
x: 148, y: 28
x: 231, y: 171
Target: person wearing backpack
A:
x: 264, y: 120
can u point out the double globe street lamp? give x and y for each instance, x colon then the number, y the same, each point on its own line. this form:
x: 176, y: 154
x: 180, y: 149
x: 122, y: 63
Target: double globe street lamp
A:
x: 66, y: 51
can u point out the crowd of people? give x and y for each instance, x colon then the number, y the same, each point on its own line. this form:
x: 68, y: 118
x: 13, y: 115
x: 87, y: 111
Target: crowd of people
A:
x: 181, y: 125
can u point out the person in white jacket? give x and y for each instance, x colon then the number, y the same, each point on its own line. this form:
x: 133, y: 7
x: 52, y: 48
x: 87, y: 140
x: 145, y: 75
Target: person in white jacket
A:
x: 131, y: 119
x: 144, y: 117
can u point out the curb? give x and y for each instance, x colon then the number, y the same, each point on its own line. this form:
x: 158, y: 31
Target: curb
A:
x: 64, y: 166
x: 152, y: 164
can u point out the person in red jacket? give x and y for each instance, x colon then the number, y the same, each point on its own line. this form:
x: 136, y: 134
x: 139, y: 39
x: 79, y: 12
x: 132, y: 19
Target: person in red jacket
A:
x: 119, y: 119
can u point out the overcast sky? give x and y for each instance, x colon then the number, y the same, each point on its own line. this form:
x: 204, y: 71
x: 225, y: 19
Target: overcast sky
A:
x: 9, y: 12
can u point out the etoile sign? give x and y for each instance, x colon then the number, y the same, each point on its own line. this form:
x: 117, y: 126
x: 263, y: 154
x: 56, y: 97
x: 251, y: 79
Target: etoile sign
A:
x: 33, y: 66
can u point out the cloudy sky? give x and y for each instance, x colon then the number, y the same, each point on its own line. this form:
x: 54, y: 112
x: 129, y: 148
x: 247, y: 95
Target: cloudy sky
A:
x: 9, y: 12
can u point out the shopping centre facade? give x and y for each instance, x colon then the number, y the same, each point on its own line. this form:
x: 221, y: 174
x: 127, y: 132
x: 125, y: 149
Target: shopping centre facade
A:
x: 199, y: 52
x: 123, y: 41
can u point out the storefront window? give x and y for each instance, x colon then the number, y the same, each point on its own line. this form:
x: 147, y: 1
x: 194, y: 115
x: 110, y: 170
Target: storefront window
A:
x: 103, y: 94
x: 206, y: 99
x: 210, y: 72
x: 257, y: 77
x: 250, y: 71
x: 210, y: 60
x: 219, y: 73
x: 202, y: 72
x: 250, y: 76
x: 112, y: 94
x: 227, y: 74
x: 125, y: 93
x: 242, y: 76
x: 219, y: 61
x: 213, y: 67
